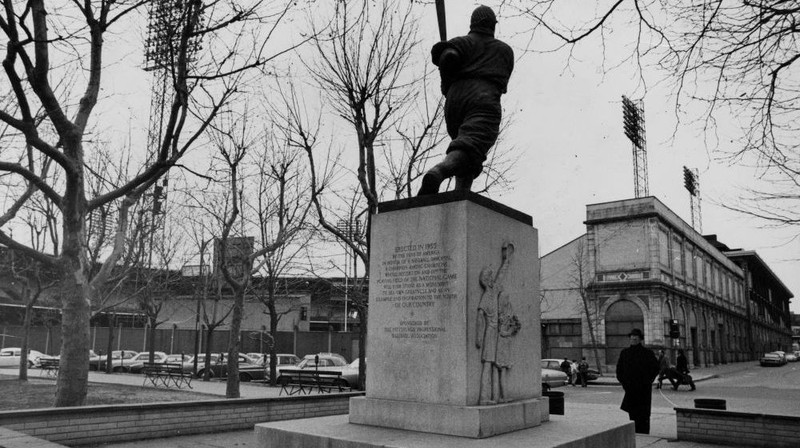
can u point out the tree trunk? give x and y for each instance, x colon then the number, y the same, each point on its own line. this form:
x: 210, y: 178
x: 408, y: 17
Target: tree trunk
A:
x: 273, y: 331
x: 207, y: 364
x: 26, y: 329
x: 110, y: 346
x: 73, y: 372
x: 234, y: 341
x: 591, y: 333
x: 151, y: 344
x: 362, y: 344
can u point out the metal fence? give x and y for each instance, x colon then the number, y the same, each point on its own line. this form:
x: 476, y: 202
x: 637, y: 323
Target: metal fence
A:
x: 174, y: 340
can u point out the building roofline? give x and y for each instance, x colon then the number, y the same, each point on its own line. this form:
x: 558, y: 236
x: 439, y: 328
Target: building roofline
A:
x: 651, y: 206
x: 754, y: 255
x: 564, y: 245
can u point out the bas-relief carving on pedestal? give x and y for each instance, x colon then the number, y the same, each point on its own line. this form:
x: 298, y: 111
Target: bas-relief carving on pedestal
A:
x: 497, y: 325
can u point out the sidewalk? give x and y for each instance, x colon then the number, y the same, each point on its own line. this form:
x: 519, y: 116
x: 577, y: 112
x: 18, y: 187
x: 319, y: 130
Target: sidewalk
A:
x: 663, y: 428
x: 212, y: 387
x: 698, y: 374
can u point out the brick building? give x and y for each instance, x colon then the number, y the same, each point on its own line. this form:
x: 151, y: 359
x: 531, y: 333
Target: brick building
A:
x: 641, y: 266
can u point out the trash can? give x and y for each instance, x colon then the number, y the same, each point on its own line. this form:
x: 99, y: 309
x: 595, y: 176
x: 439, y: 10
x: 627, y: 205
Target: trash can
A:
x: 710, y: 403
x: 556, y: 401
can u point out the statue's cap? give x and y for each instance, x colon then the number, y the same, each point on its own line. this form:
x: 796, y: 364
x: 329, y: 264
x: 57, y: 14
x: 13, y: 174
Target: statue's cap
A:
x: 482, y: 16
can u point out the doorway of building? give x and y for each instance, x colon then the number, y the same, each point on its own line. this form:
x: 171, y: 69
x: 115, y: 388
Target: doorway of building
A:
x: 621, y: 318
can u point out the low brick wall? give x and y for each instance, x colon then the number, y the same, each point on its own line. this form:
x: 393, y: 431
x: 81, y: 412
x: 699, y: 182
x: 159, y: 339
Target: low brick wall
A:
x: 113, y: 423
x: 737, y: 428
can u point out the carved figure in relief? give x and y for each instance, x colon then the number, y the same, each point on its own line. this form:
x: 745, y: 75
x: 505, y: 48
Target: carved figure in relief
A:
x: 495, y: 328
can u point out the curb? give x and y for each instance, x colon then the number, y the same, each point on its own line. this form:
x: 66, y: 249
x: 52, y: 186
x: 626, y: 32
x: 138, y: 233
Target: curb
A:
x: 616, y: 383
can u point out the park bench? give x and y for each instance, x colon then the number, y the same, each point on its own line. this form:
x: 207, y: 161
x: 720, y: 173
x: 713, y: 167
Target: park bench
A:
x: 49, y: 366
x: 298, y: 381
x: 166, y: 374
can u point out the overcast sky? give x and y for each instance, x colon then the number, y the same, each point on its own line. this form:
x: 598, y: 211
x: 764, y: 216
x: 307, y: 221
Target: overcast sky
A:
x: 568, y: 127
x: 568, y: 131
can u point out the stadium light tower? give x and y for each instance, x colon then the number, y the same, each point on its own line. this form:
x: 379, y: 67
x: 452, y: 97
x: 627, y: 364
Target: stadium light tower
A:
x: 691, y: 181
x: 633, y: 124
x: 166, y: 23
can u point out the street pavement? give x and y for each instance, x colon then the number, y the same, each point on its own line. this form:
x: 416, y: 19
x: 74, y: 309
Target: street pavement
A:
x: 663, y: 431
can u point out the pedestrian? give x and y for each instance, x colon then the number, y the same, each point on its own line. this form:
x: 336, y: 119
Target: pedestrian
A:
x: 663, y: 369
x: 574, y: 372
x: 683, y: 369
x: 566, y: 367
x: 583, y: 371
x: 475, y: 70
x: 637, y: 367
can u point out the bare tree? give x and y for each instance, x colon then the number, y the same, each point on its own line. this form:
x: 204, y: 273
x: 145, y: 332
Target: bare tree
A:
x: 211, y: 313
x: 361, y: 66
x: 154, y: 281
x: 46, y: 39
x: 580, y: 279
x: 275, y: 210
x: 29, y: 281
x: 725, y: 59
x: 279, y: 206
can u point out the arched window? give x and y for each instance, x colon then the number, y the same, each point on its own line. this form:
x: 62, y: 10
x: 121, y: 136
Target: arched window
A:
x: 621, y: 318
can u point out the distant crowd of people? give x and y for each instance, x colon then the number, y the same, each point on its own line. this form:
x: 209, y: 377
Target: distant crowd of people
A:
x: 577, y: 372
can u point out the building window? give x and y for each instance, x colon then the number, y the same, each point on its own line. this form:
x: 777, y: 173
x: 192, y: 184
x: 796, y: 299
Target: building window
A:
x: 663, y: 248
x: 677, y: 257
x: 701, y: 274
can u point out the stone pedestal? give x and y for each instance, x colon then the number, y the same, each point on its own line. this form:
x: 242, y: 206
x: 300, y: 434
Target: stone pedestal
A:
x: 335, y: 432
x: 453, y: 341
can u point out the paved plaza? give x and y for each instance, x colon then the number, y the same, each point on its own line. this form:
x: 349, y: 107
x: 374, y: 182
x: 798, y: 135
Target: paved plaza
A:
x: 663, y: 426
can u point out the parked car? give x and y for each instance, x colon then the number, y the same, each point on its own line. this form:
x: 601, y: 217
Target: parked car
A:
x: 791, y: 357
x: 285, y: 360
x: 553, y: 378
x: 9, y: 357
x: 137, y: 362
x: 94, y: 360
x: 327, y: 355
x: 120, y: 360
x: 330, y: 362
x: 772, y: 359
x: 218, y: 367
x: 186, y: 361
x: 555, y: 364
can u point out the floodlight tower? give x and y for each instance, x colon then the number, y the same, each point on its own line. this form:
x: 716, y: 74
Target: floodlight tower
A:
x: 166, y: 23
x: 633, y: 123
x: 691, y: 181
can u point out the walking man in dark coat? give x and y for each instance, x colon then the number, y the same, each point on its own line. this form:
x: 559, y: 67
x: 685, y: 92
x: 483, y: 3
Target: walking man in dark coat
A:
x: 637, y: 367
x: 683, y: 369
x: 566, y: 367
x: 475, y: 70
